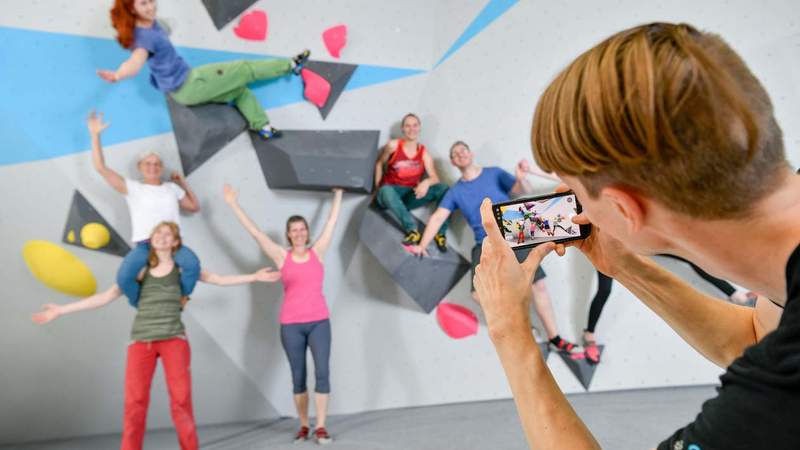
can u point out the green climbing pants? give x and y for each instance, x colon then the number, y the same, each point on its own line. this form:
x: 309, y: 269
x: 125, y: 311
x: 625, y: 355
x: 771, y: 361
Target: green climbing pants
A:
x: 227, y: 82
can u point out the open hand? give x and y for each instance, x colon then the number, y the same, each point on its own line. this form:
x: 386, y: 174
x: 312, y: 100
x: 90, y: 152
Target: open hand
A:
x: 95, y: 123
x: 50, y: 311
x: 418, y: 250
x: 230, y: 194
x: 267, y: 275
x: 107, y: 75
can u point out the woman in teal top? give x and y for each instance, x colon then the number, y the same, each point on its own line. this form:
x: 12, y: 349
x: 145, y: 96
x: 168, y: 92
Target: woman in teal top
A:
x: 157, y: 332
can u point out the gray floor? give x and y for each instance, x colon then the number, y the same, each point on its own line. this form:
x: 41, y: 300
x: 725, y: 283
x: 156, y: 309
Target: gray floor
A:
x: 632, y: 420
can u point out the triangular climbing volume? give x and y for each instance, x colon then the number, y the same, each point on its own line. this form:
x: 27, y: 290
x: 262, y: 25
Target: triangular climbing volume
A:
x: 86, y: 228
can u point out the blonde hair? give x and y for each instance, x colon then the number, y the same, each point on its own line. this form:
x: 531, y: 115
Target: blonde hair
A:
x: 669, y: 111
x: 152, y: 257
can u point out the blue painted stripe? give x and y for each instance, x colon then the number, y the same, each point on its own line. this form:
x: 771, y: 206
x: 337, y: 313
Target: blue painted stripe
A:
x: 48, y: 82
x: 490, y: 12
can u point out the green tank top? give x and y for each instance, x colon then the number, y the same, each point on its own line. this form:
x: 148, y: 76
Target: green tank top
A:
x: 159, y: 314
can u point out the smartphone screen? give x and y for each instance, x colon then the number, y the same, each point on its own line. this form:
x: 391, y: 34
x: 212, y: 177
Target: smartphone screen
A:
x: 528, y: 222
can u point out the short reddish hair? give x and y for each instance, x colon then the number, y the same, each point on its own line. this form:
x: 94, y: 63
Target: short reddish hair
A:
x: 669, y: 111
x: 124, y: 21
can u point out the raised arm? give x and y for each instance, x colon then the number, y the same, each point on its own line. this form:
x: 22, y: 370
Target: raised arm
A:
x: 265, y: 275
x: 274, y: 251
x: 324, y: 240
x: 431, y: 228
x: 96, y: 126
x: 189, y: 202
x: 520, y: 185
x: 51, y: 311
x: 129, y: 68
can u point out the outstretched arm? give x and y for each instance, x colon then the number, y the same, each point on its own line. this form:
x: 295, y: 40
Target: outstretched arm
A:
x: 324, y: 240
x: 96, y: 126
x: 270, y: 248
x: 265, y: 275
x: 127, y: 69
x: 431, y: 228
x: 51, y: 311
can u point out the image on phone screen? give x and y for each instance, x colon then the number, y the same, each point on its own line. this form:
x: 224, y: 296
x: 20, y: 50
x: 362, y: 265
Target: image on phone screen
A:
x: 528, y: 222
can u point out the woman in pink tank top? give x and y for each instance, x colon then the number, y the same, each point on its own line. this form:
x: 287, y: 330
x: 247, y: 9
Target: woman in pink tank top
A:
x: 304, y: 313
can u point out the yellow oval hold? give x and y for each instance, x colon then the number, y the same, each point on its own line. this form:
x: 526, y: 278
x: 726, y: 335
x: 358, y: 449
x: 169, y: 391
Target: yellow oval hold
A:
x: 95, y: 235
x: 71, y: 236
x: 58, y: 269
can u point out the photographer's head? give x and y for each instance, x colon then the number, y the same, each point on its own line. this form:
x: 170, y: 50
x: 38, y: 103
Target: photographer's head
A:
x: 657, y: 122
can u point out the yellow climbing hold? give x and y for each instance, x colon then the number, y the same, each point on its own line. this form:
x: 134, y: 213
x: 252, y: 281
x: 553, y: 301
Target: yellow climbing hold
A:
x: 58, y: 269
x: 94, y: 235
x: 71, y: 236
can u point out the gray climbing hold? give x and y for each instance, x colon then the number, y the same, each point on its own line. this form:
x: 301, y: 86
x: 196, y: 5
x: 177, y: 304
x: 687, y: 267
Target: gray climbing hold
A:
x: 203, y: 130
x: 337, y: 75
x: 580, y: 366
x: 318, y: 160
x: 427, y: 280
x: 81, y: 213
x: 223, y: 11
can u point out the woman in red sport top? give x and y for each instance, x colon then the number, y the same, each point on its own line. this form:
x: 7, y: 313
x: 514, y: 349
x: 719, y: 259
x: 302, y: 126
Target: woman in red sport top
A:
x: 401, y: 187
x: 304, y: 313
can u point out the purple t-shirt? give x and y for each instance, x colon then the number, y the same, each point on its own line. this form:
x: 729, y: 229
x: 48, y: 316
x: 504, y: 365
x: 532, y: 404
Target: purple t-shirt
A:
x: 493, y: 182
x: 167, y: 69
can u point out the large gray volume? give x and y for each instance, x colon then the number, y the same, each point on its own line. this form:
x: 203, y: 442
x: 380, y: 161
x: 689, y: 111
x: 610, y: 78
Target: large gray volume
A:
x: 223, y: 11
x: 318, y: 160
x: 338, y: 75
x: 203, y: 130
x: 82, y: 212
x: 426, y: 280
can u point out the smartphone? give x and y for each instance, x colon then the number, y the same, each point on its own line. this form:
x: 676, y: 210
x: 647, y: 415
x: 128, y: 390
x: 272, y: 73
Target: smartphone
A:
x: 528, y: 222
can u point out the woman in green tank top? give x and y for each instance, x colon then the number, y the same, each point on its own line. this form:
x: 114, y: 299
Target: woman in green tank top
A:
x: 157, y: 332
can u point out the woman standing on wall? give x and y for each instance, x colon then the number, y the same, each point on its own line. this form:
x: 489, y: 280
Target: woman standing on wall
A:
x: 139, y: 31
x: 157, y: 332
x: 304, y: 313
x: 150, y: 202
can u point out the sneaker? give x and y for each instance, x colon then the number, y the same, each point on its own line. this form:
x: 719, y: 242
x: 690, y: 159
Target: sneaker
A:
x: 322, y: 436
x: 269, y: 132
x: 302, y: 435
x: 441, y: 242
x: 299, y: 60
x: 563, y: 345
x: 592, y: 351
x: 412, y: 238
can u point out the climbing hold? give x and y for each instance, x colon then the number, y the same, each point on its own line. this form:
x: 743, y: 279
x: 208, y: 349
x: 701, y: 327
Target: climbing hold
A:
x: 58, y: 269
x: 456, y: 321
x: 335, y: 39
x: 252, y: 26
x: 95, y: 235
x: 317, y: 88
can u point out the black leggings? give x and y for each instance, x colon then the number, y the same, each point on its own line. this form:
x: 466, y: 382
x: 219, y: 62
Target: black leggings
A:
x: 604, y: 290
x: 296, y: 338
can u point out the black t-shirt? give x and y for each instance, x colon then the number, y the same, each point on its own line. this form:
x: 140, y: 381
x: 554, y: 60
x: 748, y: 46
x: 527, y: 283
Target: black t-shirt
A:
x: 758, y: 405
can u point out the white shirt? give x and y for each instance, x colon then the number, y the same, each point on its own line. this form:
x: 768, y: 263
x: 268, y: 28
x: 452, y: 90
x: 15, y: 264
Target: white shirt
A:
x: 150, y: 205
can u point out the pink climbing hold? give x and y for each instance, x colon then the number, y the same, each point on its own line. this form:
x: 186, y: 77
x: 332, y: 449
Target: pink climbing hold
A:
x: 335, y: 39
x: 456, y: 321
x: 317, y: 88
x: 252, y: 26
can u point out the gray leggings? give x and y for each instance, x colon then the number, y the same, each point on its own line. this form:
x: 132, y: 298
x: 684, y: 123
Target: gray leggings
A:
x: 296, y: 337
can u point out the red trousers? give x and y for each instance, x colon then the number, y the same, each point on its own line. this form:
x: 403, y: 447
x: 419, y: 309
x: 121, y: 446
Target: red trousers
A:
x: 175, y: 356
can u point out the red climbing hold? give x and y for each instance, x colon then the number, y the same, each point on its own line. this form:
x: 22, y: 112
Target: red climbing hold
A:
x: 317, y: 88
x: 252, y: 26
x: 335, y: 39
x: 456, y: 321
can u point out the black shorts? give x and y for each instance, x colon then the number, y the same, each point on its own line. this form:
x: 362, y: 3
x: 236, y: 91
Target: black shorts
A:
x: 476, y: 258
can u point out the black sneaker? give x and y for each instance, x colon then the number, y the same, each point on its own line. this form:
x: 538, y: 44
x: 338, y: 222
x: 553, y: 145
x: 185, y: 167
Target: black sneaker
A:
x: 269, y: 132
x: 412, y: 238
x: 299, y: 60
x: 441, y: 242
